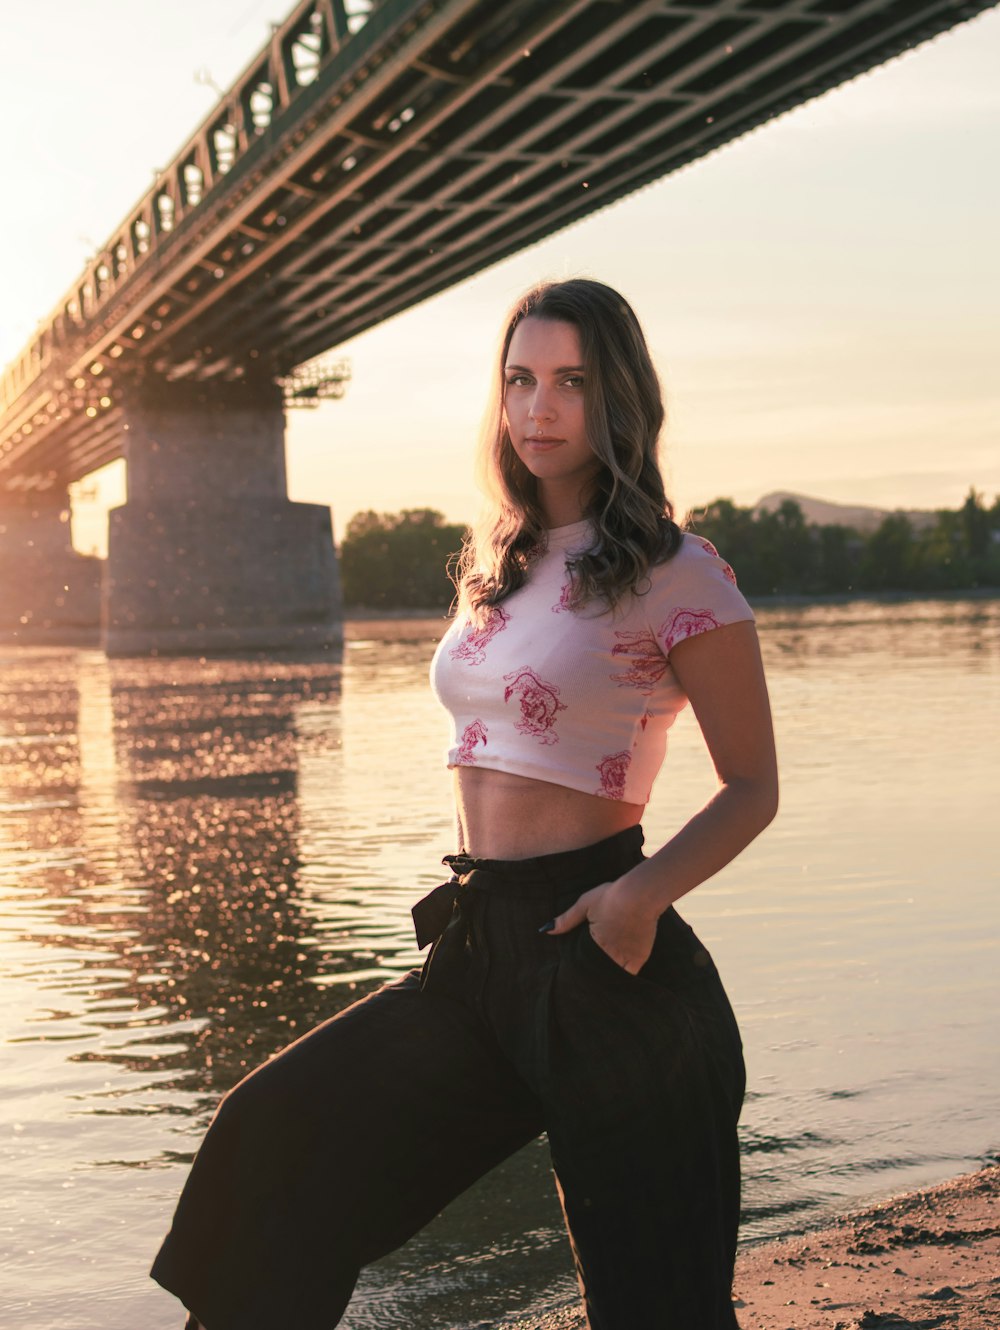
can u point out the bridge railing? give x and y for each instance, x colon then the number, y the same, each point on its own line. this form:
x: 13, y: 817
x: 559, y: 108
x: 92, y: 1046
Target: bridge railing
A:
x: 299, y: 48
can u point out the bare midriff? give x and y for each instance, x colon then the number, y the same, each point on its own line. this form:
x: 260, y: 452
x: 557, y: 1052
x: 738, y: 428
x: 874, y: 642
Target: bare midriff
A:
x: 503, y: 816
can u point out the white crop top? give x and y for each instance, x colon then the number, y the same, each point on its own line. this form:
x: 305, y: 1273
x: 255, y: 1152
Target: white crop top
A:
x: 580, y: 698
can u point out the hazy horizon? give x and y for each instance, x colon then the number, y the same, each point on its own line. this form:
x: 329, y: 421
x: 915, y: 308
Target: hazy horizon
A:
x: 808, y: 502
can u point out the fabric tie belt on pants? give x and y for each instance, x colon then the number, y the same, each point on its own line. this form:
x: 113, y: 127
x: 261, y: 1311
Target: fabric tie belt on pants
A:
x: 433, y: 913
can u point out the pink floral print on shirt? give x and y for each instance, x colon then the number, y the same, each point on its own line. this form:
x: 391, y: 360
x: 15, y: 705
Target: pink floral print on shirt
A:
x: 685, y: 623
x: 563, y: 602
x: 472, y: 646
x: 474, y: 733
x: 646, y: 662
x: 727, y: 572
x: 539, y: 704
x: 613, y: 769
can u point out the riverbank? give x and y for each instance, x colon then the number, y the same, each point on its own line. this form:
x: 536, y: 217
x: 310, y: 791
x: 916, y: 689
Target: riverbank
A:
x: 927, y: 1259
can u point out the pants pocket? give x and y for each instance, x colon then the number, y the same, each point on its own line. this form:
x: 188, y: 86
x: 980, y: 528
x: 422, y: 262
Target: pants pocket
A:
x: 677, y: 959
x: 593, y: 954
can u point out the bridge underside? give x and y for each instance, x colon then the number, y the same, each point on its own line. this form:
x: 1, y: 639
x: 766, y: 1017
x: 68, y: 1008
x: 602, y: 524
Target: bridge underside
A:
x: 422, y: 153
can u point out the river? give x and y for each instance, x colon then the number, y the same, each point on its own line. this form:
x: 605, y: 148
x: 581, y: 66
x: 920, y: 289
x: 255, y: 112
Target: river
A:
x: 200, y: 860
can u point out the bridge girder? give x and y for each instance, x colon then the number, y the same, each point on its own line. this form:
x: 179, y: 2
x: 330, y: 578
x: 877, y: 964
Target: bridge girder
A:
x: 353, y: 171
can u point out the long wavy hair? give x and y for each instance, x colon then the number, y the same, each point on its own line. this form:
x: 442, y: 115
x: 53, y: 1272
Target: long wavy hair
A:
x: 627, y: 505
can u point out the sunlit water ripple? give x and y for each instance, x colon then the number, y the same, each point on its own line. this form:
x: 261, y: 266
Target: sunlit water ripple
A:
x: 202, y: 860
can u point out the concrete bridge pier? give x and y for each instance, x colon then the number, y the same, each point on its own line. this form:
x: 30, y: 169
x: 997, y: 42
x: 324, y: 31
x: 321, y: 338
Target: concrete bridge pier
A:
x: 49, y: 594
x: 208, y: 553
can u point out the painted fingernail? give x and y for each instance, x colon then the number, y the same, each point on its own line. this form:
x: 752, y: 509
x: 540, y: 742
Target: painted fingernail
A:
x: 547, y: 928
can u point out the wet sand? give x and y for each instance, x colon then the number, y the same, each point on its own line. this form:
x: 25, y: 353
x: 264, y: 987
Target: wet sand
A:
x: 927, y: 1259
x: 916, y: 1262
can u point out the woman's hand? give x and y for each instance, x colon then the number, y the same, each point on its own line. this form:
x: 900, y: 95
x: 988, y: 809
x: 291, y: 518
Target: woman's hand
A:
x: 619, y: 922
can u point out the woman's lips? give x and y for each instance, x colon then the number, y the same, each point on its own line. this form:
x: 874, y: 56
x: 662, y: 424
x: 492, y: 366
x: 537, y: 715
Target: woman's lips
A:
x: 544, y: 442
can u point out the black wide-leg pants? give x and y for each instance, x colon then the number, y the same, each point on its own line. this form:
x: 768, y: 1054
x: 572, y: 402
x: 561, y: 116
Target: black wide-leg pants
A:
x: 344, y: 1145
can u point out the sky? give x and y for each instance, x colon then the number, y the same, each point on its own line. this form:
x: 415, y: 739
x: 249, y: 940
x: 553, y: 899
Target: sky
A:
x: 822, y: 296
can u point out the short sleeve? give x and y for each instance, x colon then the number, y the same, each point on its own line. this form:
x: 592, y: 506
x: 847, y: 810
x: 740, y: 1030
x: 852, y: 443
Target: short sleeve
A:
x: 692, y: 593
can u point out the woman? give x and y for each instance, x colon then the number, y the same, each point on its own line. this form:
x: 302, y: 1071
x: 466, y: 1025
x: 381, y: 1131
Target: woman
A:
x: 562, y: 993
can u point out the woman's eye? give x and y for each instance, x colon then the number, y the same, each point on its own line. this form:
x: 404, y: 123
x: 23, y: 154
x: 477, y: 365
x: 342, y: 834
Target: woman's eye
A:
x: 574, y: 381
x: 517, y: 381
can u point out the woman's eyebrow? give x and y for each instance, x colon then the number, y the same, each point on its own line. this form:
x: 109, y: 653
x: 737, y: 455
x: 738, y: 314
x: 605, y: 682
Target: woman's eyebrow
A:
x: 560, y: 369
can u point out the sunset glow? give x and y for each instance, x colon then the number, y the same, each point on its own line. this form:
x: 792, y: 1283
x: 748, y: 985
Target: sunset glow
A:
x: 821, y: 295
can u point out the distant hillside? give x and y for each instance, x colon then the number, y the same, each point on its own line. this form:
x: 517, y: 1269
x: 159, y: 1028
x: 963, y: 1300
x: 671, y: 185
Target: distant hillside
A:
x: 824, y: 513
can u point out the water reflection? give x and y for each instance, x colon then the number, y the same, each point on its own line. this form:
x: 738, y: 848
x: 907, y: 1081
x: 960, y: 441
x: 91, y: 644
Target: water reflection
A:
x: 156, y: 812
x: 800, y: 634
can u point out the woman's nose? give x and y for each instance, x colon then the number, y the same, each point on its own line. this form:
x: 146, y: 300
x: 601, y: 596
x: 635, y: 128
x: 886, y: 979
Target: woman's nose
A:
x: 542, y: 407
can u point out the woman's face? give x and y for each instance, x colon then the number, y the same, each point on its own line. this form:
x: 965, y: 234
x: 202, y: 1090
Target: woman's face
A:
x: 544, y: 411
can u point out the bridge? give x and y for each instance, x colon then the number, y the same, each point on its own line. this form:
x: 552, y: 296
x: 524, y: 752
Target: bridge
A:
x: 372, y: 154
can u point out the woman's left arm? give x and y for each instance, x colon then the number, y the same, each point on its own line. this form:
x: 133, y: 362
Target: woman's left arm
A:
x: 722, y: 675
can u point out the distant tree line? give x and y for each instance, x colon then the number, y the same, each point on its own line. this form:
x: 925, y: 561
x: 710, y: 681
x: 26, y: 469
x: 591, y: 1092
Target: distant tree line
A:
x: 400, y: 560
x: 780, y: 553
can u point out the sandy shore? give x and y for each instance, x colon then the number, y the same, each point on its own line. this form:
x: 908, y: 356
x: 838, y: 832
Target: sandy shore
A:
x: 916, y: 1262
x: 927, y: 1259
